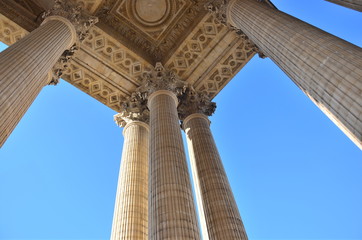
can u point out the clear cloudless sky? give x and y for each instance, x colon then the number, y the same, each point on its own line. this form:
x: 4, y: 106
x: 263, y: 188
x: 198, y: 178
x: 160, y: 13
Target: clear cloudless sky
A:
x: 294, y: 174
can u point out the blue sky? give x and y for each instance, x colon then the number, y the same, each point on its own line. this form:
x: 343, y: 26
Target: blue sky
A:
x: 294, y: 174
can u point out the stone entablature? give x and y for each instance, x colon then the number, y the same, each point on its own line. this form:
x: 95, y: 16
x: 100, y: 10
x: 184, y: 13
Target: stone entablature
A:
x: 207, y: 55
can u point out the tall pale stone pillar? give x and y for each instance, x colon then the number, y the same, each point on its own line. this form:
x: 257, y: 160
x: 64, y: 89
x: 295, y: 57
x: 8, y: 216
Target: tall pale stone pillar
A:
x: 130, y: 219
x: 326, y: 68
x: 352, y: 4
x: 218, y: 211
x: 172, y: 212
x: 26, y: 65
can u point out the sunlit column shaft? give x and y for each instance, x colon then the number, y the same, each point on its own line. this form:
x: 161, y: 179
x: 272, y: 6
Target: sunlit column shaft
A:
x: 130, y: 220
x: 24, y: 69
x: 215, y: 199
x: 327, y: 68
x: 352, y: 4
x: 172, y: 212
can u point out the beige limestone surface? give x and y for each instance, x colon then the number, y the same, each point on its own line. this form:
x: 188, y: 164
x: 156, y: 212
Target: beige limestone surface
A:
x: 353, y: 4
x: 326, y: 68
x: 216, y: 202
x: 172, y: 213
x: 25, y: 67
x: 130, y: 220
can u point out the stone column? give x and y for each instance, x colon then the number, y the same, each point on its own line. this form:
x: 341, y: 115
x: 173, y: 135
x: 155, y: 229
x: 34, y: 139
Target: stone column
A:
x: 219, y: 215
x: 26, y: 65
x: 352, y: 4
x: 326, y: 68
x: 172, y: 212
x: 130, y: 220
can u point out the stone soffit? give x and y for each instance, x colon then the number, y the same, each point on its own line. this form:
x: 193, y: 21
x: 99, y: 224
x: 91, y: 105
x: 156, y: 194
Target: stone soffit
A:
x: 131, y: 36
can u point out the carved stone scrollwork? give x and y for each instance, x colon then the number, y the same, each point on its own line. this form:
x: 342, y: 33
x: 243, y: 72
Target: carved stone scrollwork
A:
x: 161, y: 79
x: 81, y: 21
x: 219, y: 8
x: 62, y: 64
x: 134, y: 108
x: 195, y: 102
x: 248, y: 42
x: 73, y: 12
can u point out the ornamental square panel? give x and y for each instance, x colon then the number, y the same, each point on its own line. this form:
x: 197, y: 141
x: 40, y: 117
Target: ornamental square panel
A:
x: 154, y: 26
x: 131, y: 36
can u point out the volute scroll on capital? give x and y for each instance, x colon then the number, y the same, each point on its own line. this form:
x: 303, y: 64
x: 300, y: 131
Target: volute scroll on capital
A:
x: 73, y: 12
x: 161, y: 79
x: 195, y: 102
x: 81, y: 23
x: 134, y: 108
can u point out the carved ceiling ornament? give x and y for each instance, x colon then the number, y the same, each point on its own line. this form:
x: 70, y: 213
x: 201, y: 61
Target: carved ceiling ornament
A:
x: 195, y: 102
x: 154, y: 36
x: 134, y: 108
x: 9, y: 31
x: 208, y: 54
x: 161, y: 79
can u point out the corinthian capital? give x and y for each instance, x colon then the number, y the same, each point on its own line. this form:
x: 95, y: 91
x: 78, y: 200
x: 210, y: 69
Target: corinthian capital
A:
x: 81, y: 21
x: 62, y: 64
x: 195, y: 102
x: 218, y: 8
x: 161, y: 79
x: 134, y: 108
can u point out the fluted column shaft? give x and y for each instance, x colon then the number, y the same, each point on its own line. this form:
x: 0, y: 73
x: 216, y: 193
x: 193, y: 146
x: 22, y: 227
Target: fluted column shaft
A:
x: 171, y: 207
x: 352, y: 4
x: 215, y: 198
x: 327, y: 68
x: 24, y: 69
x: 130, y: 220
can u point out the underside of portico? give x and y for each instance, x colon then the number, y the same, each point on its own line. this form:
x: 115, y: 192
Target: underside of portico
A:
x: 130, y: 38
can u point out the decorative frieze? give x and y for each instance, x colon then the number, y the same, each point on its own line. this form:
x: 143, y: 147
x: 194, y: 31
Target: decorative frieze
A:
x: 225, y: 69
x: 111, y: 52
x: 196, y: 46
x: 108, y: 70
x: 10, y: 32
x: 97, y: 87
x: 155, y: 39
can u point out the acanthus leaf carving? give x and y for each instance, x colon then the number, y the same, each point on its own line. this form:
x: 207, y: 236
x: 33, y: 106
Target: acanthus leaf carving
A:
x: 218, y: 8
x: 161, y: 79
x: 81, y: 21
x: 62, y: 64
x: 195, y: 102
x: 73, y: 12
x: 133, y: 108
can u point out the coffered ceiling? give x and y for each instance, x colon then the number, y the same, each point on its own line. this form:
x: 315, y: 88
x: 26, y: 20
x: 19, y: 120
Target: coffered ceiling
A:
x: 131, y: 36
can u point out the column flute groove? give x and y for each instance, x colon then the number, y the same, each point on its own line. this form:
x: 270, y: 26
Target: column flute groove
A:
x: 219, y: 214
x: 326, y: 68
x: 130, y: 220
x: 26, y: 64
x: 172, y: 213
